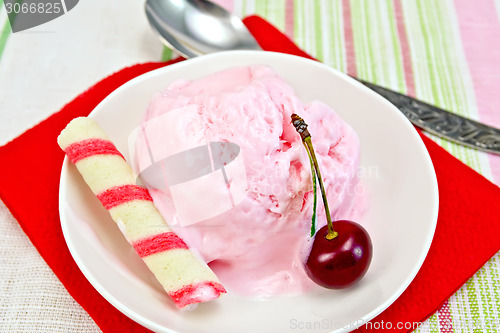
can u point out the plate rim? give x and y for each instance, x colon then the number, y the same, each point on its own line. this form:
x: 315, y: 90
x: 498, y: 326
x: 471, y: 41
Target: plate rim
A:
x: 158, y: 71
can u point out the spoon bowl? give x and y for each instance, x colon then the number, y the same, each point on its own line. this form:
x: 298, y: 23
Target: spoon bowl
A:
x: 197, y: 27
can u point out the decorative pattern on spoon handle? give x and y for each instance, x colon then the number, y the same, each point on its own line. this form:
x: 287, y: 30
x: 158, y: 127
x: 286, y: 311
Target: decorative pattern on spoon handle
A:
x: 443, y: 123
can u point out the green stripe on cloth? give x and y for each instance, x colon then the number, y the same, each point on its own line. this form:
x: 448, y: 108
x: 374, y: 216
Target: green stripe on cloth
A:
x: 300, y: 29
x: 430, y: 55
x: 452, y: 76
x: 368, y: 34
x: 166, y: 54
x: 457, y: 308
x: 327, y: 24
x: 302, y: 22
x: 5, y: 32
x: 261, y: 8
x: 474, y: 317
x: 376, y: 43
x: 359, y: 43
x: 434, y: 323
x: 495, y: 275
x: 489, y: 305
x: 273, y: 11
x: 464, y: 308
x: 484, y: 298
x: 318, y: 32
x: 339, y: 61
x: 396, y: 49
x: 299, y: 25
x: 477, y: 303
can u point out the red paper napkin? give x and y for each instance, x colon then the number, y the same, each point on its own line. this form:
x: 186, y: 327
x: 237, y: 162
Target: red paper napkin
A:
x: 467, y: 234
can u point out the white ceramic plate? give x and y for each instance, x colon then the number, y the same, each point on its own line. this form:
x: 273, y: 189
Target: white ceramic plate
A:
x: 398, y: 174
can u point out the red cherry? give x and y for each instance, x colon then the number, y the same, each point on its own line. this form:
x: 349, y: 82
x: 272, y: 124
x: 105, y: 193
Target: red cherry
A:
x: 342, y: 261
x: 341, y: 250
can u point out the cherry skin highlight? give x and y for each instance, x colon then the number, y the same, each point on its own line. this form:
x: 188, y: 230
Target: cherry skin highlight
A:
x: 340, y: 262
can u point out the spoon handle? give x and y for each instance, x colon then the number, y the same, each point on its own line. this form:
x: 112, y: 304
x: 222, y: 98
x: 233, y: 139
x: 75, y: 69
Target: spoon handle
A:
x: 443, y: 123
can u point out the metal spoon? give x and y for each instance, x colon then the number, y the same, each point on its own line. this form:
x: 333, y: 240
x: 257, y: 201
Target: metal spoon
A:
x: 198, y: 27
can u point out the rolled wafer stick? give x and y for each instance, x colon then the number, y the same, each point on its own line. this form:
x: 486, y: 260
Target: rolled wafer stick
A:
x: 185, y: 278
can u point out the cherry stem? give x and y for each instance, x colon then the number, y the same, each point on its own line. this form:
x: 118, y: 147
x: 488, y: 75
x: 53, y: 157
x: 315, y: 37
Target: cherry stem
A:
x: 301, y: 127
x: 315, y: 190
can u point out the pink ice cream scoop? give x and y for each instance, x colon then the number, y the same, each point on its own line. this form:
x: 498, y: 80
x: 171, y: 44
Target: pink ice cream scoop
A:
x: 255, y: 243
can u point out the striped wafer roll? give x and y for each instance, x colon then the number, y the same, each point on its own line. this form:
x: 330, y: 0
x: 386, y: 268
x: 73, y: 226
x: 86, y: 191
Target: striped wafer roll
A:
x: 185, y: 278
